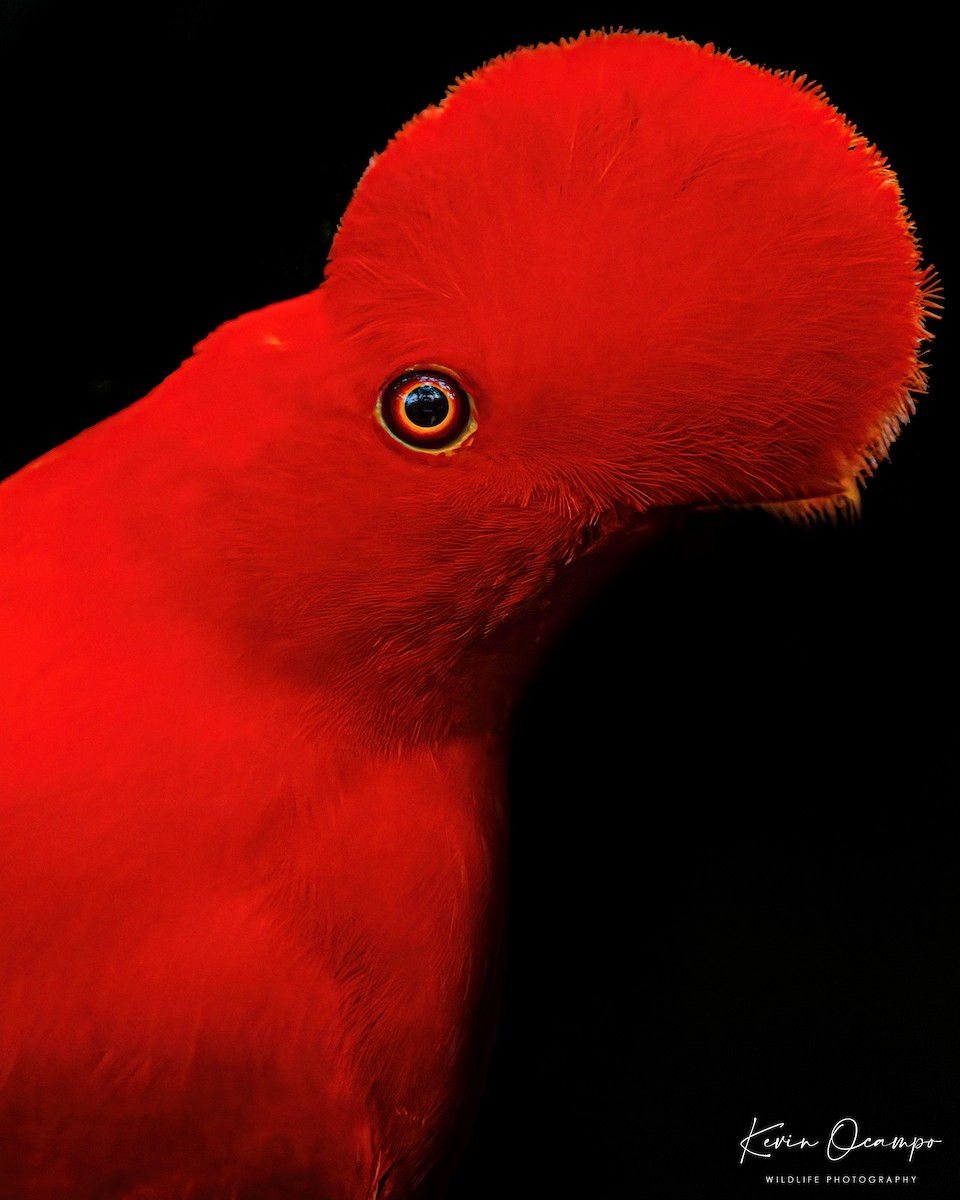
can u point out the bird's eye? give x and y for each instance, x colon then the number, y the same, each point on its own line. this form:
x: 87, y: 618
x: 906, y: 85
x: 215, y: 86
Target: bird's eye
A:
x: 426, y: 410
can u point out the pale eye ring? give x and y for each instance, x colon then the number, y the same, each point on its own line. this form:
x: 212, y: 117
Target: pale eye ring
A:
x: 426, y: 409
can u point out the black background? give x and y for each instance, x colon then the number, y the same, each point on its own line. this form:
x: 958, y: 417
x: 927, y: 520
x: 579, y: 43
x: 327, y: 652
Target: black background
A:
x: 734, y: 872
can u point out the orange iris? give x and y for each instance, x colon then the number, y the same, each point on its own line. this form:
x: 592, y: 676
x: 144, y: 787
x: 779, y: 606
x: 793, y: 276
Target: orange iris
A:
x: 426, y: 409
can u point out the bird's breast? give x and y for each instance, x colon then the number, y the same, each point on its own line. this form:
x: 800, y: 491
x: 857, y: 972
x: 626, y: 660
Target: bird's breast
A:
x: 395, y: 890
x: 306, y: 991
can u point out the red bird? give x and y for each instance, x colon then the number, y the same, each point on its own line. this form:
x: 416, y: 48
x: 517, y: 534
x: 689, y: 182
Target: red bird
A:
x: 263, y: 630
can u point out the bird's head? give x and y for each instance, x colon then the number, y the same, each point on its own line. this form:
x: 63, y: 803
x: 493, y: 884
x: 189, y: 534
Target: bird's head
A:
x: 601, y: 282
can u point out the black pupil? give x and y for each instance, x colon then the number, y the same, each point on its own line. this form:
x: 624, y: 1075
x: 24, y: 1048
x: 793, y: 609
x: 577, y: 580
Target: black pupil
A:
x: 426, y: 406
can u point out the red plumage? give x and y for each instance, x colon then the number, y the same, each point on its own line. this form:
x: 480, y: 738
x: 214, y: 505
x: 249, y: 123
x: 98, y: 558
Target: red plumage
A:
x: 263, y: 653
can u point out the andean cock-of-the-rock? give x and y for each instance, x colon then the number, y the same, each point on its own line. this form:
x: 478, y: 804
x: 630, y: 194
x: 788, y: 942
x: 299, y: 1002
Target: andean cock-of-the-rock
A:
x: 263, y: 629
